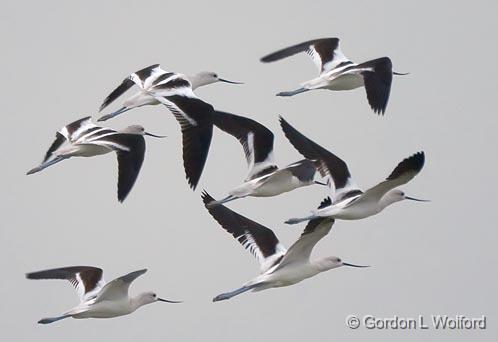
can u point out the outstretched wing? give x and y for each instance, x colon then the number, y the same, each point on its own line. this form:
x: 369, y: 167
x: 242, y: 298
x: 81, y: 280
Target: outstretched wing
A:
x: 257, y: 239
x: 329, y: 164
x: 141, y: 78
x: 118, y: 288
x: 196, y: 121
x: 256, y: 139
x: 301, y: 250
x: 324, y: 52
x: 59, y: 140
x: 87, y: 280
x: 402, y: 174
x: 377, y: 76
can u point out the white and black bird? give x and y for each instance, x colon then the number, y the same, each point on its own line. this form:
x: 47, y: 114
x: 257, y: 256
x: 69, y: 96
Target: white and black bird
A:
x: 337, y: 72
x: 347, y: 201
x: 175, y: 92
x: 82, y: 138
x: 278, y: 266
x: 98, y: 299
x: 265, y: 178
x: 153, y: 80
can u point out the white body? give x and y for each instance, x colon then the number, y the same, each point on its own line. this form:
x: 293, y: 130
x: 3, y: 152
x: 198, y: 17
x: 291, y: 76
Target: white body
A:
x: 274, y: 184
x: 336, y: 80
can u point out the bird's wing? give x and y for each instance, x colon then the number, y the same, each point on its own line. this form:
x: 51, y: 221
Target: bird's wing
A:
x: 256, y: 139
x: 59, y: 140
x: 402, y: 174
x: 140, y: 78
x: 314, y: 231
x: 87, y: 280
x: 377, y: 76
x: 76, y: 129
x: 257, y: 239
x: 329, y: 165
x: 118, y: 288
x: 324, y: 52
x: 129, y: 162
x: 196, y: 121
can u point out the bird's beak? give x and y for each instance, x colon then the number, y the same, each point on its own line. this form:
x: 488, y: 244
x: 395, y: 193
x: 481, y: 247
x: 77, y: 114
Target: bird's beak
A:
x: 416, y: 199
x: 400, y: 73
x: 167, y: 301
x: 227, y: 81
x: 353, y: 265
x: 155, y: 136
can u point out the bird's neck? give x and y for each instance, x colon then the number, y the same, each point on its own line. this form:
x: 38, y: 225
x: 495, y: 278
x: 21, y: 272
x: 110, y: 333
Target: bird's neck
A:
x: 322, y: 265
x: 196, y: 81
x: 137, y: 302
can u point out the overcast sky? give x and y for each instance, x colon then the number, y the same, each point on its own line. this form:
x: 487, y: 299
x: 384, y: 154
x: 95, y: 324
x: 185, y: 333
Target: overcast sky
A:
x: 60, y: 59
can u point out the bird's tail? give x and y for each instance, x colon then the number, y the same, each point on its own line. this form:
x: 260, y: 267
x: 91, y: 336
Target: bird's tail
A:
x: 228, y: 295
x: 52, y: 319
x: 292, y: 92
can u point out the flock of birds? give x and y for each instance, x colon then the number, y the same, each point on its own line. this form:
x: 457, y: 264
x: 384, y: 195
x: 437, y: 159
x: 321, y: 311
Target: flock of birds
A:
x: 278, y: 266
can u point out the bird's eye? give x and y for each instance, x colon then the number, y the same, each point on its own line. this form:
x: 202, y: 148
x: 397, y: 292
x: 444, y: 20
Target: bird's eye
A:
x: 216, y: 76
x: 339, y: 260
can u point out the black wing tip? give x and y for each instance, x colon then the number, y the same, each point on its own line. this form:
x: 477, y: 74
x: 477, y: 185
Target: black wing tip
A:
x: 327, y: 201
x: 414, y: 163
x: 206, y: 198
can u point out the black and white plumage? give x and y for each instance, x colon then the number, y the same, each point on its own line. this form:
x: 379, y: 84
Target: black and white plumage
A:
x: 347, y: 201
x: 82, y: 138
x: 278, y: 266
x: 265, y: 178
x: 175, y: 91
x: 337, y: 72
x: 151, y: 80
x: 98, y: 299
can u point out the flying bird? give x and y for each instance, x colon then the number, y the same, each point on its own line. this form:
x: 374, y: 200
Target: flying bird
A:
x: 98, y: 299
x: 152, y: 80
x: 278, y: 266
x: 265, y: 178
x: 82, y: 138
x: 347, y: 201
x: 337, y: 72
x: 175, y: 91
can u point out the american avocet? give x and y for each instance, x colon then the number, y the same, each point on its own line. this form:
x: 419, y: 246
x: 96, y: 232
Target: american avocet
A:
x: 98, y: 299
x: 154, y: 80
x: 265, y: 179
x: 279, y: 266
x: 347, y: 201
x: 175, y: 92
x: 337, y: 72
x: 82, y: 138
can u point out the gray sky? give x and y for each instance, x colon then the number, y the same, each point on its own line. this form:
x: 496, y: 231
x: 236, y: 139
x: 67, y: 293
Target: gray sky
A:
x: 61, y: 59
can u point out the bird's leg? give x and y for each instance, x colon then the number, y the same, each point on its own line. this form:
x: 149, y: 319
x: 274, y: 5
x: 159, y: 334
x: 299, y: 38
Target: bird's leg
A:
x: 224, y: 200
x: 292, y: 92
x: 116, y: 113
x: 46, y: 164
x: 228, y: 295
x: 52, y: 319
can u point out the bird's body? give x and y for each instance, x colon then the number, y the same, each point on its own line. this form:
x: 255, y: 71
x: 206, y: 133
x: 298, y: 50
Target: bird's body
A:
x: 347, y: 201
x: 338, y: 73
x: 175, y: 91
x: 98, y: 299
x: 265, y: 178
x: 82, y: 138
x: 279, y: 266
